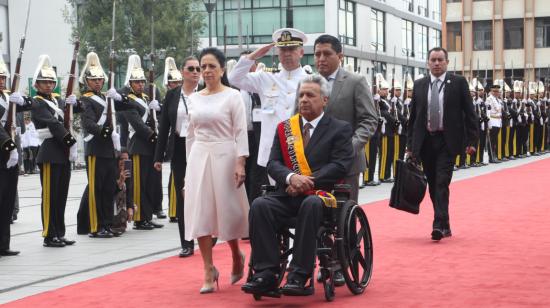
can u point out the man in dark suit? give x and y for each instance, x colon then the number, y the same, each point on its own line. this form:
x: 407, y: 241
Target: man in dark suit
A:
x: 325, y: 144
x: 350, y: 100
x: 442, y: 120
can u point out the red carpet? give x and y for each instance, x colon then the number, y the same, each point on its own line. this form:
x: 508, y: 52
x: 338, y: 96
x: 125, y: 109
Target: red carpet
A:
x: 499, y: 256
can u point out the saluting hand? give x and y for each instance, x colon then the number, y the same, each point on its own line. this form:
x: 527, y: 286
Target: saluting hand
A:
x: 260, y: 52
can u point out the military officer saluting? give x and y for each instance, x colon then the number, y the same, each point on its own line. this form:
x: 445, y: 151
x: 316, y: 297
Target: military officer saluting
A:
x: 277, y: 90
x: 57, y: 150
x: 494, y: 106
x: 141, y: 145
x: 100, y: 144
x: 9, y: 168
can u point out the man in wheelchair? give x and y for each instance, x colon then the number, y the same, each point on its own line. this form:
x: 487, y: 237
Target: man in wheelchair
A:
x: 310, y: 153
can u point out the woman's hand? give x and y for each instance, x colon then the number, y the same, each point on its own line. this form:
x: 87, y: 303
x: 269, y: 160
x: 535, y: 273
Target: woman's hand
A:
x: 239, y: 171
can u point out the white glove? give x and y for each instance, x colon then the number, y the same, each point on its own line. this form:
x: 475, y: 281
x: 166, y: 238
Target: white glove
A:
x: 154, y: 104
x: 73, y: 153
x: 394, y: 100
x: 112, y: 93
x: 14, y: 159
x: 376, y: 97
x: 17, y: 98
x: 116, y: 140
x: 71, y: 100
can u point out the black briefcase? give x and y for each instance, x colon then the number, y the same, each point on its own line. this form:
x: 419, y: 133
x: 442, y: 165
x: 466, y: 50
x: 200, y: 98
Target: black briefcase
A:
x: 409, y: 187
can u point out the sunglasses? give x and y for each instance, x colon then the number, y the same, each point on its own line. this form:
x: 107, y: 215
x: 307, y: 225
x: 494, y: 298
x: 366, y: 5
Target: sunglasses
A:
x: 194, y: 68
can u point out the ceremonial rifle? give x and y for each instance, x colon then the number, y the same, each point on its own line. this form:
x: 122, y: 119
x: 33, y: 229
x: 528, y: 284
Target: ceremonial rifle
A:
x: 10, y: 125
x: 68, y: 117
x: 109, y: 119
x: 392, y: 103
x: 152, y: 121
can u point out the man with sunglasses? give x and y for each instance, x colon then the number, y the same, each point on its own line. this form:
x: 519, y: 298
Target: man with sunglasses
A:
x: 277, y: 90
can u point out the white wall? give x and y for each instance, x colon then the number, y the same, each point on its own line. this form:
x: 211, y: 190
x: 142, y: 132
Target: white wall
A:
x: 47, y: 33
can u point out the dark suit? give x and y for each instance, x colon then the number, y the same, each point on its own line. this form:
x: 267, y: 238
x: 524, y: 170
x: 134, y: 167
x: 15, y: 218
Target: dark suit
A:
x: 330, y: 155
x: 351, y: 100
x: 438, y: 150
x: 178, y: 164
x: 53, y: 160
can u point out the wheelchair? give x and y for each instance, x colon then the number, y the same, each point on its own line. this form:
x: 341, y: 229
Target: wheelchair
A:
x: 344, y: 243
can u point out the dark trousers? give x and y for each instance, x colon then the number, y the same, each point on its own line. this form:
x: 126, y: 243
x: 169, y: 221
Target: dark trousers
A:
x: 156, y: 190
x: 371, y: 151
x: 496, y: 140
x: 511, y: 141
x: 101, y: 188
x: 480, y: 154
x: 272, y: 213
x: 402, y: 146
x: 521, y: 139
x: 256, y: 175
x: 438, y: 167
x: 8, y: 189
x: 55, y: 179
x: 178, y: 170
x: 145, y: 182
x: 386, y: 157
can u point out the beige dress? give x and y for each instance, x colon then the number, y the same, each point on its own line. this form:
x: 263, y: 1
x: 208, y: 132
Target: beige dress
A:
x: 216, y: 136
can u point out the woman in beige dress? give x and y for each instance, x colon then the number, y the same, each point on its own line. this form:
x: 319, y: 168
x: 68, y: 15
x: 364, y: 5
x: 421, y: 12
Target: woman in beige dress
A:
x: 217, y: 146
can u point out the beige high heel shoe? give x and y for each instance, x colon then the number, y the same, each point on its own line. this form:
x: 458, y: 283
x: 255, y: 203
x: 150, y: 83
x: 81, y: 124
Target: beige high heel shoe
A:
x: 216, y: 276
x: 236, y: 277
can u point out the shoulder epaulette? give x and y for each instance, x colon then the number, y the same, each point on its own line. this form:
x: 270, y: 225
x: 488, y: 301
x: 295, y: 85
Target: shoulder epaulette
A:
x: 132, y: 96
x: 88, y: 94
x: 55, y: 95
x: 8, y: 92
x: 38, y: 96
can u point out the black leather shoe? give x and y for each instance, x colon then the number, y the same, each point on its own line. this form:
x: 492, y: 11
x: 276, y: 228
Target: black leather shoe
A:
x: 387, y: 181
x: 104, y: 234
x: 372, y: 183
x: 173, y: 219
x: 8, y: 252
x: 262, y: 282
x: 114, y: 232
x: 160, y: 214
x: 141, y: 225
x: 13, y: 217
x: 296, y: 286
x: 154, y: 224
x: 339, y: 279
x: 53, y: 242
x: 66, y: 241
x: 186, y: 252
x: 438, y: 234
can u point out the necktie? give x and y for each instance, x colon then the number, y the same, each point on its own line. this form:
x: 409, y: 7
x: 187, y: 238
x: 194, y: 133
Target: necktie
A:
x: 305, y: 133
x: 434, y: 107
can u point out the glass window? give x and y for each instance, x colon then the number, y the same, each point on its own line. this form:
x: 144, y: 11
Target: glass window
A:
x: 542, y: 32
x: 436, y: 10
x: 422, y: 8
x: 346, y: 22
x: 407, y: 37
x: 379, y: 67
x: 453, y: 1
x: 378, y: 23
x: 454, y: 36
x: 309, y: 19
x: 421, y: 42
x: 483, y: 35
x: 435, y: 38
x: 408, y: 5
x: 513, y: 33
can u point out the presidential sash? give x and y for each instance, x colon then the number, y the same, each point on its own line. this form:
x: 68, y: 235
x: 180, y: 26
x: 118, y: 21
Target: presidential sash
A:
x: 292, y: 147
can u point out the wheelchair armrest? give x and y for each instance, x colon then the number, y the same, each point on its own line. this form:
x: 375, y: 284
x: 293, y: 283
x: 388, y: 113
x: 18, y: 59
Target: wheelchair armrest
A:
x: 344, y: 188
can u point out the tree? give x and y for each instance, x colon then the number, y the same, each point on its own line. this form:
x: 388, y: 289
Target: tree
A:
x: 175, y: 26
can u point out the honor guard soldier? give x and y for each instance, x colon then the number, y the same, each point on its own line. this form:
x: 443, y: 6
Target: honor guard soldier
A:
x: 277, y: 91
x: 387, y: 131
x: 9, y: 158
x: 405, y: 114
x: 511, y: 113
x: 484, y: 133
x: 141, y: 144
x: 171, y: 80
x: 101, y: 143
x: 494, y: 106
x: 400, y: 136
x: 521, y: 120
x: 57, y: 150
x: 541, y: 113
x: 531, y: 107
x: 505, y: 129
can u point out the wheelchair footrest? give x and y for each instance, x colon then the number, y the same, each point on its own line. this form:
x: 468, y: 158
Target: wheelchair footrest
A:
x: 274, y: 293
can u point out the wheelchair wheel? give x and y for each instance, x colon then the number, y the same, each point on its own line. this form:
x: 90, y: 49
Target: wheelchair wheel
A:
x: 355, y: 251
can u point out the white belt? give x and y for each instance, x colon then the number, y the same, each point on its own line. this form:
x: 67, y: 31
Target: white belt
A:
x: 44, y: 133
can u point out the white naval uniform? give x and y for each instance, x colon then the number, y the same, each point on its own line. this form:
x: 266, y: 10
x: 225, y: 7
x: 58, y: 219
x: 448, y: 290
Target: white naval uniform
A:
x: 495, y: 114
x: 277, y: 93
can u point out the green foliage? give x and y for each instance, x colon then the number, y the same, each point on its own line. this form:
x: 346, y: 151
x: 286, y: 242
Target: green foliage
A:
x: 175, y: 26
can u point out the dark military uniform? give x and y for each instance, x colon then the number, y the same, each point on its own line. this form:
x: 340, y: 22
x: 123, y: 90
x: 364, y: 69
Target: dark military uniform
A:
x: 53, y: 160
x: 101, y: 165
x: 141, y: 147
x: 387, y: 142
x: 9, y: 177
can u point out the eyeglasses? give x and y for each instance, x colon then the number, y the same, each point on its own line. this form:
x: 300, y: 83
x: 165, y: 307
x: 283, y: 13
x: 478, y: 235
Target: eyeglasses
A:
x: 194, y: 68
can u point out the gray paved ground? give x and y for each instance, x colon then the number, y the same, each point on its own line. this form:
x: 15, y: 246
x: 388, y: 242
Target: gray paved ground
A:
x: 38, y: 269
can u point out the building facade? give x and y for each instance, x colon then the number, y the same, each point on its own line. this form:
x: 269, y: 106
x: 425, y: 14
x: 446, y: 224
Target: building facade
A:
x: 498, y: 38
x: 378, y: 35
